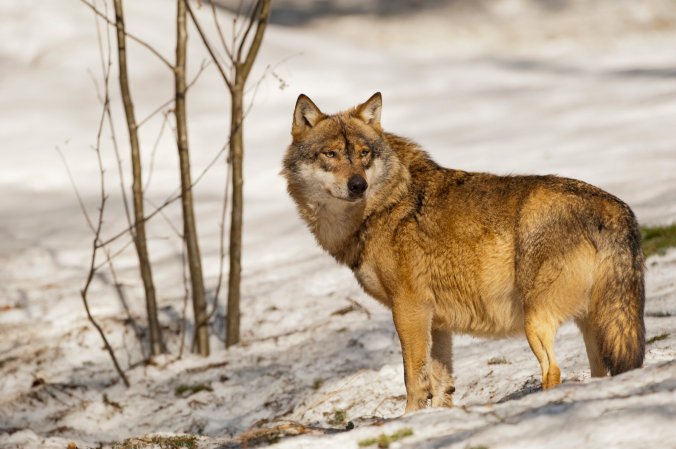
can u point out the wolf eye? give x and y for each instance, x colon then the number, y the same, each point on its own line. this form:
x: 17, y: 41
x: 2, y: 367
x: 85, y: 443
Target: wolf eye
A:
x: 330, y: 154
x: 365, y: 153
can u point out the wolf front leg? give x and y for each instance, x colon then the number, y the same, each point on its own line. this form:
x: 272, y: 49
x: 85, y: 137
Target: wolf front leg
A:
x: 413, y: 322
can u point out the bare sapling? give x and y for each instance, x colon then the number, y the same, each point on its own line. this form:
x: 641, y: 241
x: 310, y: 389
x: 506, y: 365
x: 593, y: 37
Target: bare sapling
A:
x: 189, y: 225
x: 139, y: 230
x: 242, y: 54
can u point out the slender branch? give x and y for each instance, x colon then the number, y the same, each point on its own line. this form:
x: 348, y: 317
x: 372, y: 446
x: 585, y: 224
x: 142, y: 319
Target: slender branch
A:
x: 262, y: 23
x: 203, y: 66
x: 237, y: 33
x: 90, y: 224
x: 167, y: 220
x: 184, y: 267
x: 221, y: 247
x: 156, y: 145
x: 85, y: 290
x: 177, y: 194
x: 120, y: 292
x: 220, y: 31
x: 170, y: 199
x: 106, y: 69
x: 97, y: 234
x: 207, y: 45
x: 120, y: 170
x: 113, y: 255
x: 129, y: 35
x: 247, y: 30
x: 92, y: 267
x: 96, y: 85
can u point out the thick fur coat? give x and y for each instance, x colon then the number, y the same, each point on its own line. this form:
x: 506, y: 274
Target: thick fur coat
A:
x: 456, y: 252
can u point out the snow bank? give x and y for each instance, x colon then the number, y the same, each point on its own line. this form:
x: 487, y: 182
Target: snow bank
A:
x: 316, y: 350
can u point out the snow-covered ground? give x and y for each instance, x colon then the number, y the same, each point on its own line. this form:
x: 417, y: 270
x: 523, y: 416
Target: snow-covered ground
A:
x: 316, y: 350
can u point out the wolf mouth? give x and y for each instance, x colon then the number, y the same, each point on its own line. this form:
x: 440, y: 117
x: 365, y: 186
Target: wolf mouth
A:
x: 355, y: 199
x: 348, y: 199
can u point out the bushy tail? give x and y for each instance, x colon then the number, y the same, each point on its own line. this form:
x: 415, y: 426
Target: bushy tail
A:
x: 618, y: 300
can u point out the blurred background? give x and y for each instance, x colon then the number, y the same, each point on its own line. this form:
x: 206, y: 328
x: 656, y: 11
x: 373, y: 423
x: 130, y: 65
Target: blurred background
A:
x: 580, y: 88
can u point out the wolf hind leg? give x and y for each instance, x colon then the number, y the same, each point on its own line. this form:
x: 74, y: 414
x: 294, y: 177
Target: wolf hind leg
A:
x: 442, y: 369
x: 540, y: 333
x: 598, y: 368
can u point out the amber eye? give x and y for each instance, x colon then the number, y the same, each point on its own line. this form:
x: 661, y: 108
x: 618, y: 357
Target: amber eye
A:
x: 365, y: 153
x: 330, y: 154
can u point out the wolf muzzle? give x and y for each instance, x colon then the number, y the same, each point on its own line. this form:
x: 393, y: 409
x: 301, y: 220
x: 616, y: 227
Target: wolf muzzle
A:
x: 356, y: 185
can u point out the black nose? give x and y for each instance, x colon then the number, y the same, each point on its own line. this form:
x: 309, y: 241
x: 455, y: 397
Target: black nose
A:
x: 356, y: 185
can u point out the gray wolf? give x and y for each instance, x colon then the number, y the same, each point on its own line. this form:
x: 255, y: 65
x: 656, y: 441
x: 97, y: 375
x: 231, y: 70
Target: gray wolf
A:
x: 456, y: 252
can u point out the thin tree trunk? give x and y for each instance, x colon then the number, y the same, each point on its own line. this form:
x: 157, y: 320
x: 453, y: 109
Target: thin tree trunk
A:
x: 242, y: 62
x: 189, y: 226
x: 258, y: 21
x: 139, y: 234
x: 236, y: 157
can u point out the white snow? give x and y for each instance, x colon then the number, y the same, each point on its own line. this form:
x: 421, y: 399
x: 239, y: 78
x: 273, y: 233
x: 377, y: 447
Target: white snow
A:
x: 503, y: 99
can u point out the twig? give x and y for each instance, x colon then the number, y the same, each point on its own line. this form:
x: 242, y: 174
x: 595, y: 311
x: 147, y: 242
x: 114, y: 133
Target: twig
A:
x: 106, y: 69
x: 116, y: 253
x: 401, y: 397
x: 220, y: 31
x: 186, y: 290
x: 207, y: 45
x: 358, y: 306
x: 210, y: 366
x: 168, y: 220
x: 170, y: 199
x: 261, y: 25
x: 129, y: 35
x: 170, y: 101
x: 329, y: 395
x: 177, y: 194
x: 153, y: 153
x: 90, y: 224
x: 118, y: 286
x: 247, y: 30
x: 237, y: 32
x: 92, y: 269
x: 255, y: 436
x: 221, y: 247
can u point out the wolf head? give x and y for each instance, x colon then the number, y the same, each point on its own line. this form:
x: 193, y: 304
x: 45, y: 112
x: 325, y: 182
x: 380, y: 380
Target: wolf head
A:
x: 341, y: 157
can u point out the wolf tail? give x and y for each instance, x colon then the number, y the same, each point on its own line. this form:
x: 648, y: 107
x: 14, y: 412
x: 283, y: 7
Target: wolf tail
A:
x: 618, y: 298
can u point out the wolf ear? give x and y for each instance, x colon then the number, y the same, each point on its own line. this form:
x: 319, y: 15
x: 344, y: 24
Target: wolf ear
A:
x: 369, y: 111
x: 305, y: 116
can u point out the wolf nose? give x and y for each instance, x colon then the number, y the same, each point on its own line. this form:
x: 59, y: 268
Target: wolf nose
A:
x: 356, y: 185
